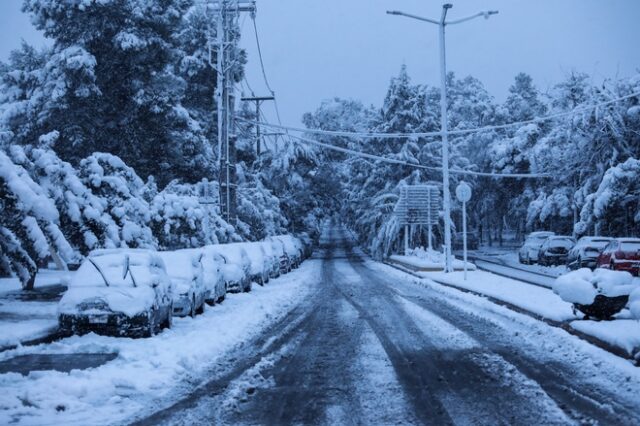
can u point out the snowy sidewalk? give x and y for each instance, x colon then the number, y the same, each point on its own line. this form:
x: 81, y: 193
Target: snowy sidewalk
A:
x: 622, y: 333
x: 28, y: 316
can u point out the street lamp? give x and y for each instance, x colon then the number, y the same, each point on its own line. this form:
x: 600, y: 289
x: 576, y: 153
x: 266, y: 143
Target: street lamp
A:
x: 443, y: 116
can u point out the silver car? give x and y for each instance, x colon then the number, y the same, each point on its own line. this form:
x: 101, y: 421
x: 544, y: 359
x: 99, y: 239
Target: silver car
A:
x: 528, y: 253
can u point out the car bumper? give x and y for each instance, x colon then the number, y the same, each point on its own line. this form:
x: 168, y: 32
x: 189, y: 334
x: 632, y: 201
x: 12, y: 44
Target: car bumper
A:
x: 181, y: 306
x: 112, y: 324
x: 631, y: 267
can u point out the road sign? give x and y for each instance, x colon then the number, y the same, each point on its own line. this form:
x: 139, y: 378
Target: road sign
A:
x: 418, y: 205
x: 463, y: 192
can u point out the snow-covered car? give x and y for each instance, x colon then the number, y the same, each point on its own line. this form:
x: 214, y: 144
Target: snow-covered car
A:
x: 186, y: 273
x: 273, y: 257
x: 293, y: 248
x: 283, y: 257
x: 621, y: 254
x: 586, y: 251
x: 555, y: 249
x: 528, y: 253
x: 308, y: 243
x: 236, y: 268
x: 213, y: 276
x: 260, y: 263
x: 118, y: 292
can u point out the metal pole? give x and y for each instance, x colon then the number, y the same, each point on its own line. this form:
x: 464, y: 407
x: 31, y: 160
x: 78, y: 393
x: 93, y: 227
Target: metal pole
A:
x: 445, y: 143
x: 464, y: 237
x: 406, y: 240
x: 258, y: 128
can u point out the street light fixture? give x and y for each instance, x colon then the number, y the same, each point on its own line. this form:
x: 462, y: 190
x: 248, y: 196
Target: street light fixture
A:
x: 442, y: 23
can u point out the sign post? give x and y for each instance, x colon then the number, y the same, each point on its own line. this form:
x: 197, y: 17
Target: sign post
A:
x: 418, y: 205
x: 463, y: 193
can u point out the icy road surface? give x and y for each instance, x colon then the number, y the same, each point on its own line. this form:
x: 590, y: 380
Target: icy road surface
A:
x: 372, y: 347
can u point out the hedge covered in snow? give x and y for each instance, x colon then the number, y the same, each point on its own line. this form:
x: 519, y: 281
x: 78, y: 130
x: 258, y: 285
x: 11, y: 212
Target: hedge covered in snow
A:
x: 582, y: 286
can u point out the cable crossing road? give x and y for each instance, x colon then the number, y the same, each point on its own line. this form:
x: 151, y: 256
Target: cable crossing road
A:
x: 373, y: 347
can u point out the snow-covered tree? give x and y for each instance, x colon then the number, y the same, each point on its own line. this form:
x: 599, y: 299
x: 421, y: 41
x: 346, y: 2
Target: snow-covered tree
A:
x: 118, y: 185
x: 29, y: 230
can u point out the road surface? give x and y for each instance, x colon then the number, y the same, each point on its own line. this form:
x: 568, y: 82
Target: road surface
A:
x: 372, y: 347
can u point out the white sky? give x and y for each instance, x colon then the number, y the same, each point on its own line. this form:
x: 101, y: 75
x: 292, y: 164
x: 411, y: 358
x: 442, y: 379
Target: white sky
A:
x: 317, y: 49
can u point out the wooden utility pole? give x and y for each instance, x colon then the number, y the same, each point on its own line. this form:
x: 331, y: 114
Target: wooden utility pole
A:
x: 258, y: 100
x: 228, y: 12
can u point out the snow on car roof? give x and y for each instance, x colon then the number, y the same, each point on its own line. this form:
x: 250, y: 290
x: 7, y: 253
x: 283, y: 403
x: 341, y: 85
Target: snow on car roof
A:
x: 109, y: 268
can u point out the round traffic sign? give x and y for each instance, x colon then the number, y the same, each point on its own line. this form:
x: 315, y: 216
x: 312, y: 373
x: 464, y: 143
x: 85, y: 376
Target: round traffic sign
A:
x: 463, y: 192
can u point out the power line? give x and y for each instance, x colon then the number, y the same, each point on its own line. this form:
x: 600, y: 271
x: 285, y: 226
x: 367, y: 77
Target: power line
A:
x: 376, y: 135
x: 419, y: 166
x: 264, y: 74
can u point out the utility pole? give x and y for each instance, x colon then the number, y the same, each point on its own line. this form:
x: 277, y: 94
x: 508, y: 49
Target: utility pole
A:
x: 258, y: 100
x: 442, y: 23
x: 228, y: 13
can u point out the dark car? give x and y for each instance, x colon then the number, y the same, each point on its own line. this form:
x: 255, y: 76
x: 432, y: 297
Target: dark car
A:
x: 621, y: 254
x: 473, y: 242
x: 586, y: 251
x: 118, y: 293
x: 555, y: 250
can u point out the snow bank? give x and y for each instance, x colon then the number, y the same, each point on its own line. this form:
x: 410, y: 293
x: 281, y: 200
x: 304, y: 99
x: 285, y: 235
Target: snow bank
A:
x: 634, y: 303
x: 429, y: 259
x: 582, y: 286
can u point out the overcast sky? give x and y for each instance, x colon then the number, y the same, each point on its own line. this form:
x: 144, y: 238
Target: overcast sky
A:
x: 318, y: 49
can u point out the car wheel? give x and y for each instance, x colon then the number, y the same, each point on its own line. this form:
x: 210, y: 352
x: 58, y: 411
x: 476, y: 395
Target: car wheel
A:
x: 200, y: 310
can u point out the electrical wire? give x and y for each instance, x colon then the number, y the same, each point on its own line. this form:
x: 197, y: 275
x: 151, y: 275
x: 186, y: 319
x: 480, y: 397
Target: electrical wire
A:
x: 451, y: 132
x: 264, y: 74
x: 419, y: 166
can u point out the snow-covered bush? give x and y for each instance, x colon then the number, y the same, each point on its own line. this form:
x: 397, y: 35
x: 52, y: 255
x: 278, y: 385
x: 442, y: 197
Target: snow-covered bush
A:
x: 29, y: 230
x: 118, y: 185
x: 582, y: 286
x: 179, y: 220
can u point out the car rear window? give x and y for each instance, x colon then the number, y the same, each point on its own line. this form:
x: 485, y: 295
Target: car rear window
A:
x: 561, y: 243
x: 630, y: 246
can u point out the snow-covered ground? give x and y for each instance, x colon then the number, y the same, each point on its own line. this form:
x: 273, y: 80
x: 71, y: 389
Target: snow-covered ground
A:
x: 146, y: 370
x: 23, y: 319
x: 622, y: 332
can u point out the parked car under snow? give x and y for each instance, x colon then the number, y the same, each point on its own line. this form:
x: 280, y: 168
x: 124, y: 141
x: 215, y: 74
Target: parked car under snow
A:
x: 213, y: 276
x: 186, y: 273
x: 621, y: 254
x: 119, y: 293
x: 293, y: 248
x: 260, y: 263
x: 528, y: 253
x: 586, y: 251
x: 236, y: 268
x: 555, y: 249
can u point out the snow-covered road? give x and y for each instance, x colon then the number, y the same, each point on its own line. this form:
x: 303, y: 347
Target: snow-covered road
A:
x: 369, y: 346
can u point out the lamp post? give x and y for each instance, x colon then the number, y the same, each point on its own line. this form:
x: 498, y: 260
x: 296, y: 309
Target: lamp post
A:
x: 442, y: 23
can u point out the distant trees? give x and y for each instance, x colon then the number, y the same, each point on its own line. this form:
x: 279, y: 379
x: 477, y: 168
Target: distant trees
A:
x: 590, y: 155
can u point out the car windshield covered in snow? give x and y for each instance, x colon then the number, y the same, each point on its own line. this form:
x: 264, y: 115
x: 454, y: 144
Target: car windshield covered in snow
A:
x: 594, y: 242
x: 131, y: 268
